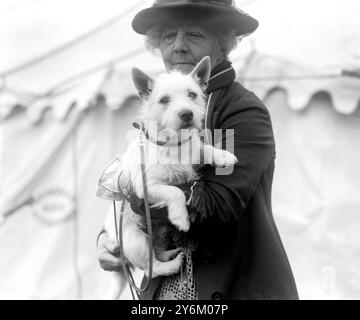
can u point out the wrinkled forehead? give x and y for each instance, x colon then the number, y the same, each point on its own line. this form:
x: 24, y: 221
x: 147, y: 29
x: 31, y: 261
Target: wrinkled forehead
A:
x: 175, y: 83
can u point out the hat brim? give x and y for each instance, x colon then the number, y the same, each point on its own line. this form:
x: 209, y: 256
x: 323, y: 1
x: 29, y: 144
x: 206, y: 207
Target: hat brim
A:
x: 165, y: 14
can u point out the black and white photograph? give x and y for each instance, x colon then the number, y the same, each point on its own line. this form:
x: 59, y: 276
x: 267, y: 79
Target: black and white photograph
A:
x: 184, y: 150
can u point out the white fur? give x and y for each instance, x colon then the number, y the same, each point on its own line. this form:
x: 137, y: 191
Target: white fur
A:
x: 160, y: 176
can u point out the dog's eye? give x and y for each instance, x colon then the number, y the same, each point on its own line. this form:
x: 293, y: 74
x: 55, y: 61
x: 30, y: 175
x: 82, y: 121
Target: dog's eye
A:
x: 192, y: 95
x: 164, y: 100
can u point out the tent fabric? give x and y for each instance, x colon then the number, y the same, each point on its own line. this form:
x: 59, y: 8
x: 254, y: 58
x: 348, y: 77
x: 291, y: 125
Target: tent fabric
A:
x: 114, y: 85
x: 284, y: 50
x: 316, y: 195
x: 301, y: 83
x: 323, y: 33
x: 48, y: 244
x: 74, y: 75
x: 302, y: 38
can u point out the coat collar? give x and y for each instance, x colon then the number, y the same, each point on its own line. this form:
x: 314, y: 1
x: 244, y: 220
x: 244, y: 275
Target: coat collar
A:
x: 221, y: 76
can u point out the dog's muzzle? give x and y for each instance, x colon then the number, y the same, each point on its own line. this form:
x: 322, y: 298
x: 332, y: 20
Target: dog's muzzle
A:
x: 186, y: 115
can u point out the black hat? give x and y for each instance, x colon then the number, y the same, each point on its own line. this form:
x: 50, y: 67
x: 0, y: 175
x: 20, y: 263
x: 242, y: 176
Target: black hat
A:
x: 213, y: 11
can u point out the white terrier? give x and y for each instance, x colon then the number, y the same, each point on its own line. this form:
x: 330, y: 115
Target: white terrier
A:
x: 172, y: 103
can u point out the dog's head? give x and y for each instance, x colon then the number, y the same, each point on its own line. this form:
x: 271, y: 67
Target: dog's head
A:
x: 175, y: 100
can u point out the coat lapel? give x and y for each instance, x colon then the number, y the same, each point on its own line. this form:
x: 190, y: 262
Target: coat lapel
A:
x: 221, y: 77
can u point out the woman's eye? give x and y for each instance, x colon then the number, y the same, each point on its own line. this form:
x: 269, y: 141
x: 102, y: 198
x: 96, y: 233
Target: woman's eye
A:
x: 164, y: 100
x: 195, y: 35
x: 169, y: 37
x: 192, y: 95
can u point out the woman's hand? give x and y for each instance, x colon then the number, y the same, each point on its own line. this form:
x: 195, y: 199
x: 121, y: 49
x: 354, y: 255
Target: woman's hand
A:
x: 108, y: 253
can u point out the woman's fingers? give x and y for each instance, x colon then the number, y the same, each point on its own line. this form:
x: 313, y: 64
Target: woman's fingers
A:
x: 109, y: 262
x: 111, y: 247
x: 105, y: 244
x: 108, y: 254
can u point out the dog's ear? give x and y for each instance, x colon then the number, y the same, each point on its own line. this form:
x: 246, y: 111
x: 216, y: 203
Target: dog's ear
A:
x: 202, y: 71
x: 143, y: 83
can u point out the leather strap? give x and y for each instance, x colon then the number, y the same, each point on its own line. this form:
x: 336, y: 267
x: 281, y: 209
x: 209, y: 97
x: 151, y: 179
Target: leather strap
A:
x: 140, y: 126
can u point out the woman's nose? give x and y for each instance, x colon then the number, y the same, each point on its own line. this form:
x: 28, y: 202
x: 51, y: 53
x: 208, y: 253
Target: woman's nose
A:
x: 180, y: 44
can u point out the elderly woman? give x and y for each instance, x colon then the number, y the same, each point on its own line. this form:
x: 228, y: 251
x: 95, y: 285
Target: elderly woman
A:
x: 239, y: 253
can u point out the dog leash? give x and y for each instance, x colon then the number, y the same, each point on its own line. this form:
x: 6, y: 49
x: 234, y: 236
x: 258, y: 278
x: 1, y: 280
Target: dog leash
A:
x: 125, y: 267
x: 117, y: 231
x: 141, y: 127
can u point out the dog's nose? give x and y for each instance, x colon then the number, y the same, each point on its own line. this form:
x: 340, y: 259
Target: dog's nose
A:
x: 186, y: 115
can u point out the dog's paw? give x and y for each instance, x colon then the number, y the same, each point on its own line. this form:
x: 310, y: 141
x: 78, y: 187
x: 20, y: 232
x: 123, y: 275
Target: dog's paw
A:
x: 166, y: 268
x: 176, y: 264
x: 182, y: 222
x: 178, y: 215
x: 224, y: 159
x: 168, y: 254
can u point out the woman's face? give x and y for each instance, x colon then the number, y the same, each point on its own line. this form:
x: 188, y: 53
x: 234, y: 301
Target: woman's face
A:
x: 183, y: 47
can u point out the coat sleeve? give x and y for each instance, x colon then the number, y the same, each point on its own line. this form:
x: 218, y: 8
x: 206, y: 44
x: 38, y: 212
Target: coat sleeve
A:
x: 223, y: 198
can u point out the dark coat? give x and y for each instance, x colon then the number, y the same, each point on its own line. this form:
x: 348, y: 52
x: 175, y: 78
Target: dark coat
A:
x: 240, y: 253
